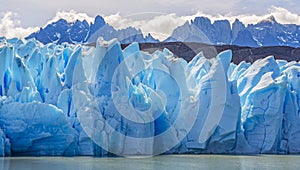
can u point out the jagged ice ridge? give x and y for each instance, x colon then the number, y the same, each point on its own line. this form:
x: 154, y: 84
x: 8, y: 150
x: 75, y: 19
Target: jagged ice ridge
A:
x: 83, y: 100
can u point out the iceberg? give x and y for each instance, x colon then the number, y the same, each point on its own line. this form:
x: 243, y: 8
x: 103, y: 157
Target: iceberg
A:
x: 74, y: 100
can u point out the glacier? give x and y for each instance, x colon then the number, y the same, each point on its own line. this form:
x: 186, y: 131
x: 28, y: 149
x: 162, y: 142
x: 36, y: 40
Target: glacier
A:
x: 73, y: 100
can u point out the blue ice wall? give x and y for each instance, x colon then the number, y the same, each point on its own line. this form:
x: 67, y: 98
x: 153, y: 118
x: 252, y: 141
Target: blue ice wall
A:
x: 85, y: 100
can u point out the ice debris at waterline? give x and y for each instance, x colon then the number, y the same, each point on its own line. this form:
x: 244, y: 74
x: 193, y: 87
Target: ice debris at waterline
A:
x: 81, y: 100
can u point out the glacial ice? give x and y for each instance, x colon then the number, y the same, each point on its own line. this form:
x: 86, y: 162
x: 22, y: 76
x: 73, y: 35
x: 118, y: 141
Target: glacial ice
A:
x: 83, y: 100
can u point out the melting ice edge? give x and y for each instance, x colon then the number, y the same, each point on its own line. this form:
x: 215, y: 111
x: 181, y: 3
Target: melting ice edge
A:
x: 80, y: 100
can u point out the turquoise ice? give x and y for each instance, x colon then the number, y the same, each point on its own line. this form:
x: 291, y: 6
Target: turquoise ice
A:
x: 101, y: 100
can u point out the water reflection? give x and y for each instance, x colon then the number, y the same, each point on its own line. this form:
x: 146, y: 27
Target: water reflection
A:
x: 159, y: 162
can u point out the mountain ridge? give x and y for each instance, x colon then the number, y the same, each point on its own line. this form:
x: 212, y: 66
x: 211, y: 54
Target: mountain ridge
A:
x: 267, y: 32
x: 82, y: 32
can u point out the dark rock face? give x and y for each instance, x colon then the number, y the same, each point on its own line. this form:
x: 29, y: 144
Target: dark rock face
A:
x: 222, y: 27
x: 244, y: 38
x: 249, y: 54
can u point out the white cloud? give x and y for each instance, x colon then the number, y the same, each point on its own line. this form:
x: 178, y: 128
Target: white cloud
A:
x: 10, y: 26
x: 284, y: 16
x: 160, y: 25
x: 71, y: 16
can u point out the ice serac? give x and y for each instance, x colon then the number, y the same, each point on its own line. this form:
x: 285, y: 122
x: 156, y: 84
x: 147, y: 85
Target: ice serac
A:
x: 291, y: 133
x: 217, y: 120
x: 36, y: 129
x: 4, y: 145
x: 65, y: 99
x: 6, y: 57
x: 262, y: 114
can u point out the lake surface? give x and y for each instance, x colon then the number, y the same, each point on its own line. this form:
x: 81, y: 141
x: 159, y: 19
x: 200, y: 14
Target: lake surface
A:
x: 172, y: 162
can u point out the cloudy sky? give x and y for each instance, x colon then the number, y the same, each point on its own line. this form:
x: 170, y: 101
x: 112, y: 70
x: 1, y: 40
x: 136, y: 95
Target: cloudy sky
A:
x: 160, y: 17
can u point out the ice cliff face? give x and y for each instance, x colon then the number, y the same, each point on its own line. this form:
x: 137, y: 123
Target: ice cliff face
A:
x: 83, y: 100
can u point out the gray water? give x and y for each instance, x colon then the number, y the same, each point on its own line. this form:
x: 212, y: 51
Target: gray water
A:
x: 173, y: 162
